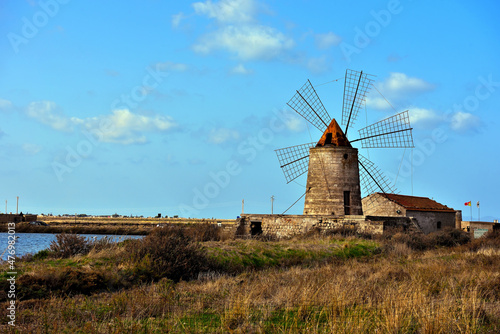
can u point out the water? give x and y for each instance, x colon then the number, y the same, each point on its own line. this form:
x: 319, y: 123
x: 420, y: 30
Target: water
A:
x: 34, y: 242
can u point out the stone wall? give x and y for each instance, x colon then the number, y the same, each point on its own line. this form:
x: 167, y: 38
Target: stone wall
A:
x: 283, y: 226
x: 376, y: 205
x: 429, y: 220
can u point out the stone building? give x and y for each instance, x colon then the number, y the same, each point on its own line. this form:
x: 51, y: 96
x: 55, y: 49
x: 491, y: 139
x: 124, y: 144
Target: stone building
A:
x: 479, y: 228
x: 430, y: 215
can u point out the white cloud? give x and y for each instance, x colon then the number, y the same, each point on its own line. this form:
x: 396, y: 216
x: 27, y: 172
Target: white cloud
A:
x: 396, y: 89
x: 125, y: 127
x: 294, y: 123
x: 248, y: 42
x: 318, y: 65
x: 326, y: 41
x: 400, y: 83
x: 222, y: 135
x: 121, y: 126
x: 238, y: 32
x: 462, y: 122
x: 177, y: 18
x: 378, y: 103
x: 5, y: 104
x: 422, y: 117
x: 31, y: 148
x: 228, y: 11
x: 46, y: 112
x: 241, y: 70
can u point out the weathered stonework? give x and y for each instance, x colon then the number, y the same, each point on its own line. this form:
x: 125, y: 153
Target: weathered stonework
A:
x: 333, y: 182
x: 284, y: 226
x: 429, y: 219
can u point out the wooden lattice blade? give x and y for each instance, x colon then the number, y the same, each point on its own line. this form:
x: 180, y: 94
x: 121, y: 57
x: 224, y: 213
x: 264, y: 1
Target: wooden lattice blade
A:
x: 294, y: 160
x: 307, y: 104
x: 371, y: 178
x: 356, y: 85
x: 392, y: 132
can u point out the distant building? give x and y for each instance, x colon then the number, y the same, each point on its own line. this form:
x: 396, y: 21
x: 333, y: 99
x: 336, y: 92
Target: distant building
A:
x: 479, y: 228
x: 17, y: 218
x: 430, y: 215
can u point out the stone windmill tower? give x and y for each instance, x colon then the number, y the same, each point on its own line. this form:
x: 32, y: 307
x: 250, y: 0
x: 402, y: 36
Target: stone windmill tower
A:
x: 336, y: 172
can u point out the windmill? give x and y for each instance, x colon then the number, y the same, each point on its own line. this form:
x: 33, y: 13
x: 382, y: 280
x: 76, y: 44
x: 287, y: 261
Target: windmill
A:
x: 336, y: 171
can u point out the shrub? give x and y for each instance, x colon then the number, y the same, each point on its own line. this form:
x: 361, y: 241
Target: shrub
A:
x: 489, y: 240
x: 204, y: 232
x: 167, y: 252
x: 44, y: 253
x: 449, y: 237
x: 67, y: 245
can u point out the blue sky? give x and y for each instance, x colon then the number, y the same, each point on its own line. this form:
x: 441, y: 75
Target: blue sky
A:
x: 176, y: 107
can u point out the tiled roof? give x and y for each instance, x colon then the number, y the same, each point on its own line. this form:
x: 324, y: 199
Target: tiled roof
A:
x: 417, y: 203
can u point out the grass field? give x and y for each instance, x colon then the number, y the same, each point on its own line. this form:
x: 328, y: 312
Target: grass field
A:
x: 189, y: 281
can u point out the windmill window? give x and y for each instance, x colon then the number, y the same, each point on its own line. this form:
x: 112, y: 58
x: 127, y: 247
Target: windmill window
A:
x: 346, y: 156
x: 328, y: 139
x: 347, y: 202
x: 438, y: 225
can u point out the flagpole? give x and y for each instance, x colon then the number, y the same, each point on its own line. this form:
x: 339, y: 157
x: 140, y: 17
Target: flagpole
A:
x: 471, y: 213
x: 478, y: 212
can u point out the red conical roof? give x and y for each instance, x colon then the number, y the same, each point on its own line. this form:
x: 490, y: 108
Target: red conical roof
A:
x: 334, y: 135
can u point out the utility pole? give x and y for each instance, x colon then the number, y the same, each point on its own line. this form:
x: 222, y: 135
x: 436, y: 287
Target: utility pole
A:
x: 17, y: 206
x: 272, y: 203
x: 5, y: 206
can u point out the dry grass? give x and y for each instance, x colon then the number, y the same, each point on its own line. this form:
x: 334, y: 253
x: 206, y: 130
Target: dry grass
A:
x: 401, y: 290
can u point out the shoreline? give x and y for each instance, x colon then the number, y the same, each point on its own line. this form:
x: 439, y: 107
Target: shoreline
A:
x: 113, y: 226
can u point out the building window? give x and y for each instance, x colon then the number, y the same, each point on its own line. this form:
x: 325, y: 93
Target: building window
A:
x: 347, y: 202
x: 438, y: 225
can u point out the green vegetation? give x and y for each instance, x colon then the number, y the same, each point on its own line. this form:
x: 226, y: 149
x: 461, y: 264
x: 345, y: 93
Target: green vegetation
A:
x: 187, y: 280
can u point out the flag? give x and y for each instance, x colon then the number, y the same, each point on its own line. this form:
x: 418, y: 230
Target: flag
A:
x: 468, y: 203
x: 478, y: 204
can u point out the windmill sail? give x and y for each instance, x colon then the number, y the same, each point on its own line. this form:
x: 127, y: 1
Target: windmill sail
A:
x: 294, y: 160
x: 392, y: 132
x: 307, y: 104
x: 356, y: 85
x: 372, y: 180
